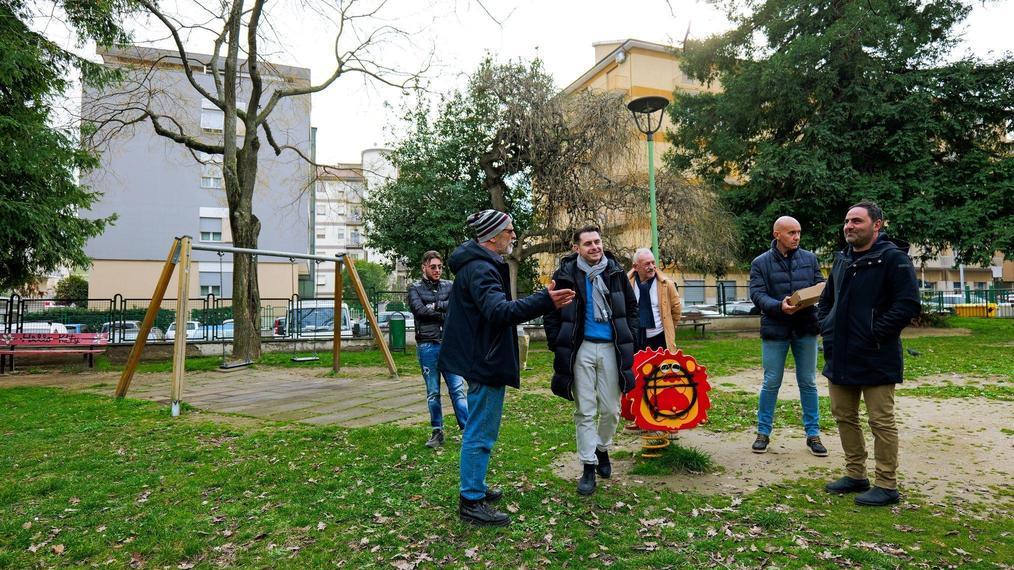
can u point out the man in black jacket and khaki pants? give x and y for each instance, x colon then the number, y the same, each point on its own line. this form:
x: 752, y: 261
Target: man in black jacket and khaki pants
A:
x: 593, y: 341
x: 871, y: 295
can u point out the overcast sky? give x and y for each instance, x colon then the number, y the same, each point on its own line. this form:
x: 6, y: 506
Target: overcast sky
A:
x: 451, y: 37
x: 352, y: 116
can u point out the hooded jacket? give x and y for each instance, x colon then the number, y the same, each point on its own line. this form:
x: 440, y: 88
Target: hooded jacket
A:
x: 480, y: 331
x: 773, y: 277
x: 867, y: 302
x: 565, y: 327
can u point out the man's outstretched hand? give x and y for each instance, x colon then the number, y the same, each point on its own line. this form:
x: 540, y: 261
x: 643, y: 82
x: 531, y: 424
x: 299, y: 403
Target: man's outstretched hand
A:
x: 560, y: 297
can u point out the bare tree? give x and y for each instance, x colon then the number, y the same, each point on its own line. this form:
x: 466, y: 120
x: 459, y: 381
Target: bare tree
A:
x: 551, y: 158
x: 247, y: 89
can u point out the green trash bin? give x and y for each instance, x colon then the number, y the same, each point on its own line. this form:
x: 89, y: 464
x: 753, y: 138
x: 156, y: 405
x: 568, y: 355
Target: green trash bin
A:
x: 396, y: 332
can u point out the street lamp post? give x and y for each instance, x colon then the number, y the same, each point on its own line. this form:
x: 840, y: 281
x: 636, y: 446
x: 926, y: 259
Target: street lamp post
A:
x: 647, y: 112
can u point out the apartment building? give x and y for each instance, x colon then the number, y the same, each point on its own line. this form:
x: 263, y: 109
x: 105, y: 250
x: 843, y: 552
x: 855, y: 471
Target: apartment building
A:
x: 159, y: 189
x: 339, y: 226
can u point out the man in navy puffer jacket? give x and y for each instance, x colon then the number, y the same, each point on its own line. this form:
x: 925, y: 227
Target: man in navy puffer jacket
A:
x: 774, y: 276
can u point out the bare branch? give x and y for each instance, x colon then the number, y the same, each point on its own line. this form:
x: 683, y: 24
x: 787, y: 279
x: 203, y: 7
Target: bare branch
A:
x: 182, y: 51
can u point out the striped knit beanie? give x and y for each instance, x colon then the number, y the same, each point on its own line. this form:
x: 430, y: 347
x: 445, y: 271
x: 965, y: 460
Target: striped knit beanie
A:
x: 487, y: 224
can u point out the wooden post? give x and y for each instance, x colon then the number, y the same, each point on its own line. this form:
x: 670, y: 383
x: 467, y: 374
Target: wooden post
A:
x: 149, y: 319
x: 357, y: 286
x: 336, y: 348
x: 180, y: 342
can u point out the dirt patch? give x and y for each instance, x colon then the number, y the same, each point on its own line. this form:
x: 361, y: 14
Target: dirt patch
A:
x: 909, y: 332
x: 916, y: 332
x: 949, y: 448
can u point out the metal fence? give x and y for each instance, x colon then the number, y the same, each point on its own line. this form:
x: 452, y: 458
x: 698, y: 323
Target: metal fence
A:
x: 297, y: 318
x: 210, y: 319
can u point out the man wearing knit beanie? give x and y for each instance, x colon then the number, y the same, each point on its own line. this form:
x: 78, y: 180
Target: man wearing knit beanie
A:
x: 481, y: 345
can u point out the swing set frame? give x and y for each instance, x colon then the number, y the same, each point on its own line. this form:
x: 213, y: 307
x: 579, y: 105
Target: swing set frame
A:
x: 179, y: 255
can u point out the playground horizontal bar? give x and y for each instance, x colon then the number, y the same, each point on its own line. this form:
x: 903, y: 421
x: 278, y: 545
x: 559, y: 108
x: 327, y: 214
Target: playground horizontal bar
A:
x: 267, y: 252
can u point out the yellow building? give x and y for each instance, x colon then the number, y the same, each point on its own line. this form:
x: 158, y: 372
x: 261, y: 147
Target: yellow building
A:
x: 638, y: 69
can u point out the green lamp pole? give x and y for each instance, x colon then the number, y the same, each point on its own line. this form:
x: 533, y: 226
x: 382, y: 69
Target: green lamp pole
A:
x: 648, y: 112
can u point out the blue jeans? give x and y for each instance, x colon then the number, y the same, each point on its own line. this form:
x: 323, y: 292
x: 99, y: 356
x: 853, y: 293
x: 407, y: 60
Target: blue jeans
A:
x: 773, y: 353
x: 481, y: 431
x: 429, y: 353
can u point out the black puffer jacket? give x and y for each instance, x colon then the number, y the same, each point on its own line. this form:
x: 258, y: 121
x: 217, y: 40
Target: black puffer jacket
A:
x: 773, y: 277
x: 428, y: 301
x: 565, y: 327
x: 866, y: 304
x: 480, y: 331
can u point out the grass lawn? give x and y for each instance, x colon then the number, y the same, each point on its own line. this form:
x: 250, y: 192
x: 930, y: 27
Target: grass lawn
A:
x: 87, y: 480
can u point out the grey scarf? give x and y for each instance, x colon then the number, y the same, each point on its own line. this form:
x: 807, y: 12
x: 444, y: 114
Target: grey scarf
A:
x: 600, y: 293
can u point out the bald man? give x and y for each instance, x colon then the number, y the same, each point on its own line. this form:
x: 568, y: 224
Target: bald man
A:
x: 774, y: 276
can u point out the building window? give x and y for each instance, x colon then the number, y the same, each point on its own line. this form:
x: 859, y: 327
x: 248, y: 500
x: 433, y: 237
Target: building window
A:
x: 213, y: 118
x: 321, y: 210
x: 211, y: 182
x: 322, y: 235
x: 321, y: 279
x: 956, y: 285
x: 211, y: 229
x: 211, y: 290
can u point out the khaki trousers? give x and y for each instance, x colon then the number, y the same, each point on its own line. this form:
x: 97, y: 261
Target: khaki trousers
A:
x: 880, y: 408
x: 597, y: 399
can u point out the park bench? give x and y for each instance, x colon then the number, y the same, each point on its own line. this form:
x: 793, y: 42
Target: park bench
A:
x: 88, y: 344
x: 696, y: 320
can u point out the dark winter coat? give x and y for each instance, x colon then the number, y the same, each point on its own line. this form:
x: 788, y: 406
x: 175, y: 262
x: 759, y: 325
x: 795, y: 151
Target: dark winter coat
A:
x: 565, y: 327
x: 866, y: 304
x: 480, y: 330
x: 773, y: 277
x: 428, y: 301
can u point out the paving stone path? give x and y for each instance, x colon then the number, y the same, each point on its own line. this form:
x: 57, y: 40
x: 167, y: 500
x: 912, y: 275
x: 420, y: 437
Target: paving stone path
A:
x: 358, y: 397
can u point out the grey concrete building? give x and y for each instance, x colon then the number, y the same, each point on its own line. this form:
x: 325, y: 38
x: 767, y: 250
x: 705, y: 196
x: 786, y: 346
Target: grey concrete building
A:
x: 159, y: 189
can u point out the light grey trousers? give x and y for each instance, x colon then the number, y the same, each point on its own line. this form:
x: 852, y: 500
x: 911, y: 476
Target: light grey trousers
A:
x: 596, y: 393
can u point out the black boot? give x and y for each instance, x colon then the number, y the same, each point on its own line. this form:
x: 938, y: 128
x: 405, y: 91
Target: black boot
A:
x: 493, y: 494
x: 586, y: 486
x: 480, y: 514
x: 605, y: 469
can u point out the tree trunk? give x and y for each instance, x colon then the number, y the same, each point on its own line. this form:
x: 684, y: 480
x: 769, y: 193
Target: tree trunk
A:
x: 245, y: 230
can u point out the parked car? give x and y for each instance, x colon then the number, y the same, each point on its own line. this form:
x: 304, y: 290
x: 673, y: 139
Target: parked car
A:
x: 127, y: 331
x: 225, y: 330
x: 700, y: 311
x: 194, y: 331
x: 384, y: 321
x: 741, y: 308
x: 76, y: 328
x: 43, y: 328
x: 313, y: 319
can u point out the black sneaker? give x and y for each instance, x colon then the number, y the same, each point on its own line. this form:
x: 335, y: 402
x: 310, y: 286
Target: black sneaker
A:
x: 847, y: 485
x: 815, y: 446
x: 493, y: 495
x: 878, y: 497
x: 480, y: 514
x: 436, y: 439
x: 604, y: 469
x: 586, y: 486
x: 760, y: 445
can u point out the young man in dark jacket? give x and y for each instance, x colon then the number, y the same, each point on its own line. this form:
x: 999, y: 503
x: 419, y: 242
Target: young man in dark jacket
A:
x: 871, y: 295
x: 774, y: 276
x: 593, y: 341
x: 481, y: 344
x: 428, y: 299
